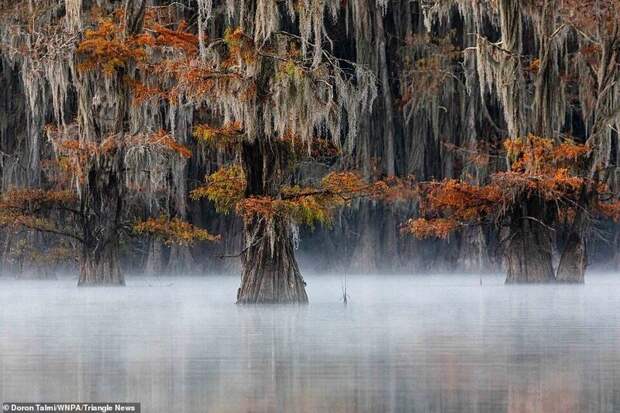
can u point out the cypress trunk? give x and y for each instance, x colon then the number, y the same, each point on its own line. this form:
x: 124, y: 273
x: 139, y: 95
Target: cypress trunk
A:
x: 270, y: 273
x: 155, y: 261
x: 364, y: 259
x: 99, y: 265
x: 529, y: 252
x: 102, y: 208
x: 473, y: 253
x: 574, y: 260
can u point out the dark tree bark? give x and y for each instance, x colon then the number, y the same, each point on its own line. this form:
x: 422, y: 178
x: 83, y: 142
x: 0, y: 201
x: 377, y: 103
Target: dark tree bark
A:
x: 102, y: 207
x: 270, y: 272
x: 388, y: 132
x: 574, y: 260
x: 99, y: 265
x: 181, y: 260
x: 103, y: 192
x: 529, y: 250
x: 473, y: 253
x: 155, y: 260
x: 134, y: 16
x: 364, y: 258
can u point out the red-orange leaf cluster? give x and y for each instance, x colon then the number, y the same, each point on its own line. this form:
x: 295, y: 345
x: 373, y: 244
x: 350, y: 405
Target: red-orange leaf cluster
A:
x: 540, y: 168
x: 227, y: 136
x: 105, y: 48
x: 225, y: 188
x: 173, y: 231
x: 165, y: 140
x: 430, y: 228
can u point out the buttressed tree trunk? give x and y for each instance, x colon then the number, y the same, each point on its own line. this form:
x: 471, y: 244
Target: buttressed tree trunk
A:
x: 270, y: 272
x: 99, y: 264
x: 102, y: 208
x: 574, y: 260
x: 529, y: 249
x: 104, y: 113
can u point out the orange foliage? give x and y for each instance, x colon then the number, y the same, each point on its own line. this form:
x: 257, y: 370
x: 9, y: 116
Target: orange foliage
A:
x: 311, y: 205
x: 346, y: 183
x: 142, y: 92
x: 225, y: 188
x: 610, y: 210
x: 241, y: 47
x: 259, y: 206
x: 74, y: 153
x: 227, y: 136
x: 173, y: 231
x: 460, y: 200
x: 534, y: 66
x: 303, y: 209
x: 167, y: 59
x: 167, y: 141
x: 539, y: 168
x: 24, y: 199
x: 196, y: 80
x: 317, y: 148
x: 393, y: 189
x: 533, y: 154
x: 570, y: 151
x: 306, y: 205
x: 590, y: 16
x: 429, y: 228
x: 168, y: 54
x: 105, y: 48
x: 29, y: 207
x: 179, y: 39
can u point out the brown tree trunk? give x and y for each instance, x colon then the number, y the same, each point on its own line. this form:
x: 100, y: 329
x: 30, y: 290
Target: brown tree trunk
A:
x: 473, y: 253
x: 529, y: 251
x: 99, y: 265
x: 574, y: 260
x: 181, y: 261
x: 155, y: 262
x: 529, y: 259
x: 363, y: 259
x: 102, y: 208
x: 388, y: 116
x: 270, y: 272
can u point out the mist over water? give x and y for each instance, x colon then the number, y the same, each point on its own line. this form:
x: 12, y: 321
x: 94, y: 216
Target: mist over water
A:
x: 402, y: 344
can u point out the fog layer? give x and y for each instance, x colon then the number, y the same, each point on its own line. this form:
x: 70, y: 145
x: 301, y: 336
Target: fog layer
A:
x: 437, y: 343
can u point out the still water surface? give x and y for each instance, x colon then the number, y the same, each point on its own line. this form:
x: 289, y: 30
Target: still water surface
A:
x: 402, y: 344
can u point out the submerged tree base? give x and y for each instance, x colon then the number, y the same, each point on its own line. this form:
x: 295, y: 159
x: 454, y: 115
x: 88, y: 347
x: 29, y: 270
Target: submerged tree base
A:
x: 101, y: 268
x: 270, y: 271
x: 119, y: 283
x: 574, y: 261
x: 529, y: 259
x: 99, y: 278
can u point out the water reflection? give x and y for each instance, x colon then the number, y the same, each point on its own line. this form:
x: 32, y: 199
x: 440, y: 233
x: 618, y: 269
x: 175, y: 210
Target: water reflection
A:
x: 401, y: 345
